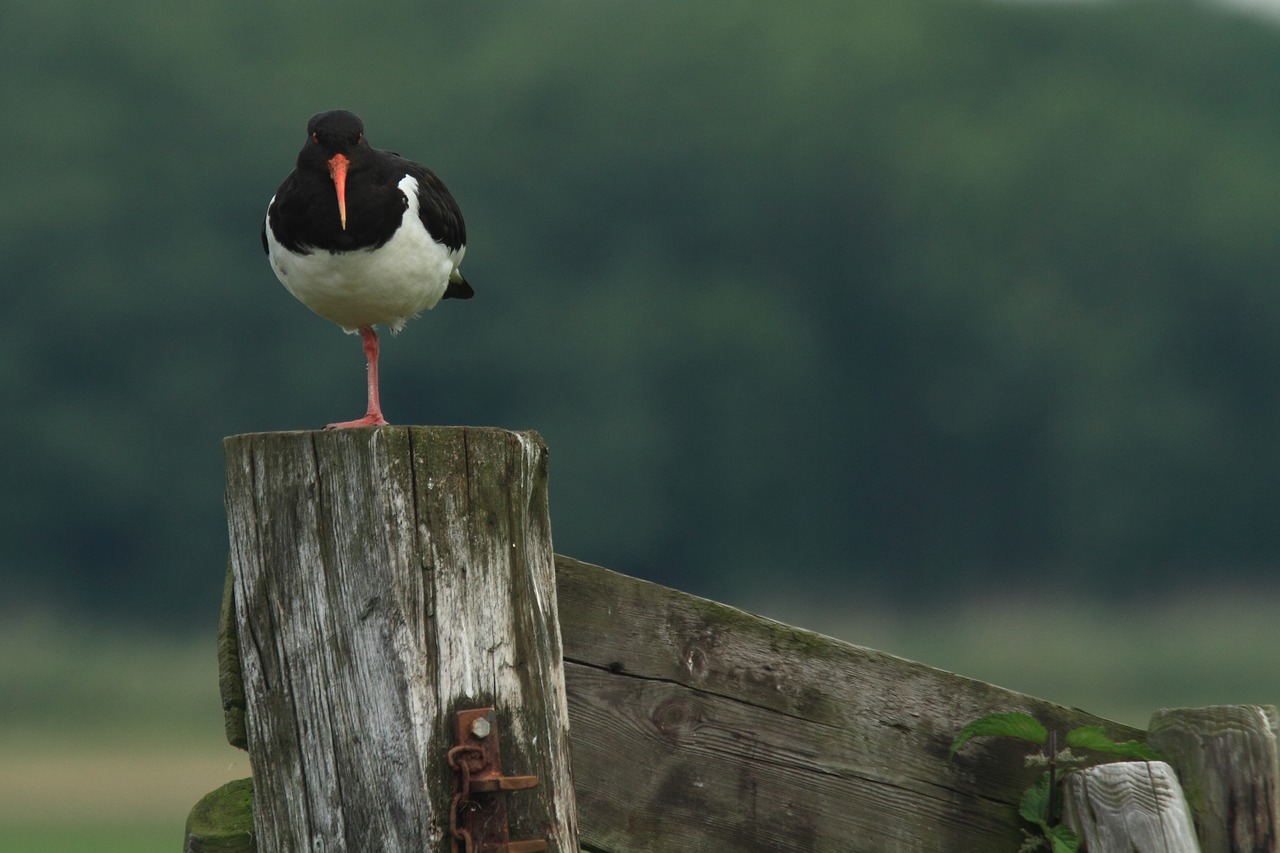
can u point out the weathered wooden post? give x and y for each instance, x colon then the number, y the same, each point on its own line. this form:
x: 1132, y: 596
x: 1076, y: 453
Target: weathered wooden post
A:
x: 385, y: 580
x: 1129, y: 807
x: 1229, y: 763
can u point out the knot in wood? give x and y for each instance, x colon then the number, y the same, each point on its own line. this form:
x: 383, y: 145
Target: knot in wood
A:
x: 675, y: 717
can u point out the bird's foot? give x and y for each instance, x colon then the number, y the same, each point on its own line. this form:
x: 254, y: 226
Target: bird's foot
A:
x: 370, y: 420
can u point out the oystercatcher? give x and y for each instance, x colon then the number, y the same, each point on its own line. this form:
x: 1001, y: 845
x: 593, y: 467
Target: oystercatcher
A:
x: 363, y: 236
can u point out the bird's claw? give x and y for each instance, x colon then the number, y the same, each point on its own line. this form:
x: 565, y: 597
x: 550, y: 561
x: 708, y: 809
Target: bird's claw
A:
x: 370, y: 420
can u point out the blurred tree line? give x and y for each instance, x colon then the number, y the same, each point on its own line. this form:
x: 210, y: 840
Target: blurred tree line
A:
x: 897, y: 298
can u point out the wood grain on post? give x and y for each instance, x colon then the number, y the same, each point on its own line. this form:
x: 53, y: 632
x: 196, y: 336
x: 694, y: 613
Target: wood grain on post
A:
x: 1129, y: 807
x: 383, y: 580
x: 1226, y: 757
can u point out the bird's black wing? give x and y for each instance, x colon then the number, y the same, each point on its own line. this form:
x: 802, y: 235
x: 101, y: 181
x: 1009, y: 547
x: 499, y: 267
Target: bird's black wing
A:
x: 443, y: 220
x: 439, y: 212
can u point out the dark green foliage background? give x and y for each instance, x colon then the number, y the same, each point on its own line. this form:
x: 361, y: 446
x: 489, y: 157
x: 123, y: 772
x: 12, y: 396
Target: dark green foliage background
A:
x: 893, y: 298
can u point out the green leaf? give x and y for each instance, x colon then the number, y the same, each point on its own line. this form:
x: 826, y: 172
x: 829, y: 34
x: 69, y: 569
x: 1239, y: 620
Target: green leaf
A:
x: 1095, y: 738
x: 1062, y: 839
x: 1007, y: 724
x: 1034, y: 806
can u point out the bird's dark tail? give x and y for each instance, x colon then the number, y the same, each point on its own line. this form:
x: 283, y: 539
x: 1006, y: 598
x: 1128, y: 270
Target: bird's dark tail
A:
x: 458, y: 288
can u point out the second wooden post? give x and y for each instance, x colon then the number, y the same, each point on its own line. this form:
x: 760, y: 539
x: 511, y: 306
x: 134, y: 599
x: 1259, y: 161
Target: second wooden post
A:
x: 386, y: 579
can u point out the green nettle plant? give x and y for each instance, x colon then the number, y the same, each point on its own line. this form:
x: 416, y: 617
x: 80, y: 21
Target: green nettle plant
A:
x: 1039, y: 805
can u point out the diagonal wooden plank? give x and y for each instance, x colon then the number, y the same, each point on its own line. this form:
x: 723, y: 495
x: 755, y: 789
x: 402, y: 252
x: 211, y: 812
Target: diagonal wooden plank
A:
x: 696, y: 726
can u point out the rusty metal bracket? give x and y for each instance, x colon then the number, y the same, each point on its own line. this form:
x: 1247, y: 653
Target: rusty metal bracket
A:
x: 479, y: 823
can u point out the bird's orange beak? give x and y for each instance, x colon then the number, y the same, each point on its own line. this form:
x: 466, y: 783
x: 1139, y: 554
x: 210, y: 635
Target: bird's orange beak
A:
x: 338, y: 171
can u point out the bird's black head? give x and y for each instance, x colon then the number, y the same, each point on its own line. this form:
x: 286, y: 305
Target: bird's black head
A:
x: 336, y: 145
x: 332, y: 132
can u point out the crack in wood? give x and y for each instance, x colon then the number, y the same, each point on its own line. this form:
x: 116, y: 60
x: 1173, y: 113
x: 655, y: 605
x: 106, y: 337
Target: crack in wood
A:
x: 615, y: 668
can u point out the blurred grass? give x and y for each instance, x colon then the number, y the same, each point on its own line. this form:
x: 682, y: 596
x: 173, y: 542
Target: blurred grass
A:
x: 1121, y: 662
x: 107, y: 738
x: 136, y: 838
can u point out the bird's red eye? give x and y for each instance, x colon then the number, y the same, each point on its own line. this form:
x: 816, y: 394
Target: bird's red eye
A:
x: 359, y: 139
x: 315, y: 137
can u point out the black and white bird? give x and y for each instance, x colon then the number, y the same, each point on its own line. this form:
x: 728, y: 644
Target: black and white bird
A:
x: 364, y: 237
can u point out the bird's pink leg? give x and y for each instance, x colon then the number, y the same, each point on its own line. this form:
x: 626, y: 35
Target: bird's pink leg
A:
x: 373, y: 417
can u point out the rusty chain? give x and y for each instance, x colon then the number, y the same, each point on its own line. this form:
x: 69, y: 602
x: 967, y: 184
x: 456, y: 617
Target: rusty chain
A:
x: 462, y: 841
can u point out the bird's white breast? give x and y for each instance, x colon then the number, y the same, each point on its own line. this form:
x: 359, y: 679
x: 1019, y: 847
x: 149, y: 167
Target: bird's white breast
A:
x: 390, y: 284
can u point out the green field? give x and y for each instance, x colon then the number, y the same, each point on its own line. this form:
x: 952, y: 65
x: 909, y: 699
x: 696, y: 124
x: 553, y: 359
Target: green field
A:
x: 107, y: 740
x: 122, y: 838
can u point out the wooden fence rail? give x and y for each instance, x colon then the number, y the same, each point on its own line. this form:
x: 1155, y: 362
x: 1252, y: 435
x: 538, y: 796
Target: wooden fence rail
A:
x: 695, y: 726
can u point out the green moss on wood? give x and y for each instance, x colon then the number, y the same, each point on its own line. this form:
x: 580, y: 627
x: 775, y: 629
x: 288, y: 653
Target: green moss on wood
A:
x: 222, y: 822
x: 230, y: 683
